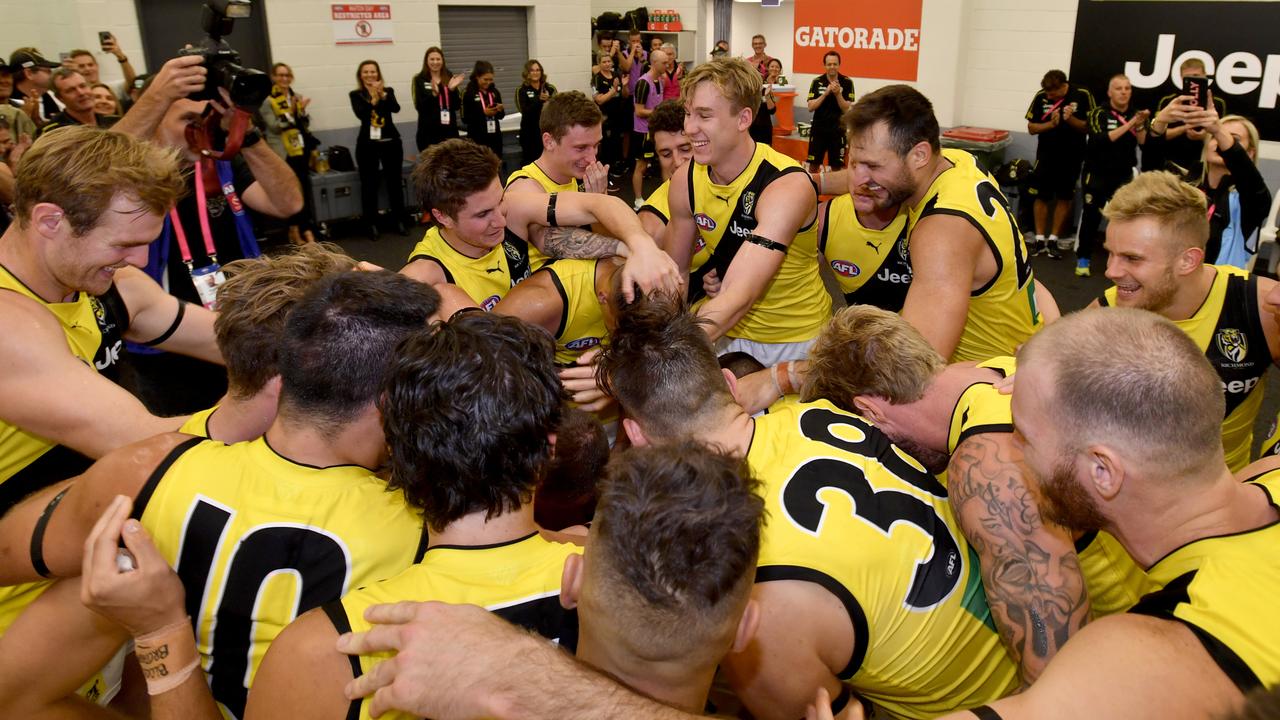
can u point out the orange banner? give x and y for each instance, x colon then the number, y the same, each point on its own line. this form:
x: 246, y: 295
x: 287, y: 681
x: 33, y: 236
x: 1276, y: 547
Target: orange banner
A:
x: 875, y: 39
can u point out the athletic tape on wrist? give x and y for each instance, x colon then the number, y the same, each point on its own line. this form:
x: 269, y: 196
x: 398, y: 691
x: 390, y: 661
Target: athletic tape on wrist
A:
x: 168, y: 656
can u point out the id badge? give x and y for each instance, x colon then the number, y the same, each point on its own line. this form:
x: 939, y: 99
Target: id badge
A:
x: 491, y: 126
x: 375, y: 132
x: 445, y: 117
x: 207, y: 279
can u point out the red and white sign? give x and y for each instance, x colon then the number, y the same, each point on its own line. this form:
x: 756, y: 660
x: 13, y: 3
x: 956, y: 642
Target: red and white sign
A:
x: 361, y: 24
x: 875, y: 39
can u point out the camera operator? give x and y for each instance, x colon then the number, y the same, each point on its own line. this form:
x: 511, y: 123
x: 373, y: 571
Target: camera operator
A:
x: 256, y: 177
x: 73, y: 90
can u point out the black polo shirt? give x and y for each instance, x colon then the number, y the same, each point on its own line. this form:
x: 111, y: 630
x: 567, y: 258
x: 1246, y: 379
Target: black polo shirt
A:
x: 1063, y: 140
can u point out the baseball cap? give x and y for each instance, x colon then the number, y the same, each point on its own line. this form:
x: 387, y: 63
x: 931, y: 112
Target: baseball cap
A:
x: 21, y: 59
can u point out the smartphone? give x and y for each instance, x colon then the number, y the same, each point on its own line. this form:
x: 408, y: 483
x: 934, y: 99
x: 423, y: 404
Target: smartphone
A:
x: 1198, y: 88
x: 103, y: 37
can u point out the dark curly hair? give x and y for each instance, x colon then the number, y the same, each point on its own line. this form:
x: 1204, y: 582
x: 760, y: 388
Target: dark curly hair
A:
x: 467, y: 408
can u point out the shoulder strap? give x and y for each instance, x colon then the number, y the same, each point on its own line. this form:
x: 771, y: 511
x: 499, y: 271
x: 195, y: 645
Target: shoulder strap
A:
x: 149, y: 489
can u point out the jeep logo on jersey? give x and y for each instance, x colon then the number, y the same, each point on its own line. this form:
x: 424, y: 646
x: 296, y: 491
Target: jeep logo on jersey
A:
x: 1232, y: 344
x: 704, y: 221
x: 489, y: 302
x: 582, y: 343
x: 1150, y: 41
x: 845, y: 268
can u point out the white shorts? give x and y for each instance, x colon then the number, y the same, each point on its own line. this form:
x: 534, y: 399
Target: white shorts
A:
x: 769, y: 354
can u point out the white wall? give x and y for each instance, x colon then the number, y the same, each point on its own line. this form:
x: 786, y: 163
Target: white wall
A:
x: 55, y: 26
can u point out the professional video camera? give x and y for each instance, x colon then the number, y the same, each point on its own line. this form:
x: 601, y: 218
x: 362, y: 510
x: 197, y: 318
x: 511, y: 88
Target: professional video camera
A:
x: 248, y: 87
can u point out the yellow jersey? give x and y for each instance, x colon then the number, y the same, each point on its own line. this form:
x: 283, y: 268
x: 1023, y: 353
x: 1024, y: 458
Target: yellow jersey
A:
x: 258, y: 539
x: 517, y: 580
x: 1271, y: 446
x: 1003, y: 312
x: 795, y: 305
x: 1228, y: 328
x: 853, y: 514
x: 537, y: 258
x: 1224, y: 590
x: 659, y: 203
x: 94, y: 328
x: 1113, y: 580
x: 198, y: 423
x: 872, y: 267
x: 486, y: 278
x: 582, y: 317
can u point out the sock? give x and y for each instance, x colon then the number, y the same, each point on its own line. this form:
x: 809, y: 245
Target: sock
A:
x: 1053, y: 238
x: 1039, y: 237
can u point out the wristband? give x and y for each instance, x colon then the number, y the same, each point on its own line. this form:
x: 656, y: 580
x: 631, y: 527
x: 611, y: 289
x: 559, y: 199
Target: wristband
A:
x: 773, y: 373
x: 251, y: 137
x: 551, y: 210
x: 168, y: 656
x: 783, y: 377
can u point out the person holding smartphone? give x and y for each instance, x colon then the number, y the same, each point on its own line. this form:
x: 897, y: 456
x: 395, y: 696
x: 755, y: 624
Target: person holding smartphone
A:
x: 1239, y: 199
x: 377, y: 146
x: 1185, y: 143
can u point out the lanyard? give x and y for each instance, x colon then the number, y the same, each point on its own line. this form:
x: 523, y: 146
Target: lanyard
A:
x: 1049, y: 113
x: 1123, y: 120
x: 486, y: 95
x: 444, y: 95
x: 203, y: 211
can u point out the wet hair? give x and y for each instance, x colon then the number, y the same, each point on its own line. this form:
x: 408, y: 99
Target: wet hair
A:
x: 567, y: 491
x: 468, y: 407
x: 906, y: 113
x: 450, y: 172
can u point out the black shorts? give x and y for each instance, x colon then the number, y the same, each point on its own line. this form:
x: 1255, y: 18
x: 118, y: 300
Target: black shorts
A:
x: 829, y: 144
x: 1055, y: 178
x: 642, y: 146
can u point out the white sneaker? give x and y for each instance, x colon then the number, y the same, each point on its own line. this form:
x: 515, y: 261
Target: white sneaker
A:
x: 1067, y: 244
x: 639, y: 203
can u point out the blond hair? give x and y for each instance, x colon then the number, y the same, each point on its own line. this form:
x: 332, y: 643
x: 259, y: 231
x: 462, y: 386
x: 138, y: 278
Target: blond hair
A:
x: 253, y: 304
x: 1180, y: 208
x: 866, y: 351
x: 734, y: 77
x: 1250, y: 130
x: 82, y: 169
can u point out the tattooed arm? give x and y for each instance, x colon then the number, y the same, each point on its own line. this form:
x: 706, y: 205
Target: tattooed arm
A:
x: 576, y: 242
x: 1029, y: 567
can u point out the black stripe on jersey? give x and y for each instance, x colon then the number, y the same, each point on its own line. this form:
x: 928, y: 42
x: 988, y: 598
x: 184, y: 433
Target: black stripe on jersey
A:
x: 545, y: 616
x: 861, y: 631
x: 448, y: 276
x: 655, y: 211
x: 1161, y: 603
x: 983, y: 429
x: 338, y: 616
x: 826, y: 227
x: 423, y: 540
x: 1102, y: 300
x: 931, y: 209
x: 985, y: 712
x: 564, y: 300
x: 149, y: 489
x: 57, y: 464
x: 1085, y: 540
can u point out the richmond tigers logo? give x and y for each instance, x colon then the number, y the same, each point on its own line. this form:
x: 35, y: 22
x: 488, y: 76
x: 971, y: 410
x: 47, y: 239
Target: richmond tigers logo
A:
x: 1232, y: 344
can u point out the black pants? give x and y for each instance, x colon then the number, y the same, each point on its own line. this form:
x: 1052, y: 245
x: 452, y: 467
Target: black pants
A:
x: 306, y: 217
x: 380, y: 160
x: 1098, y: 189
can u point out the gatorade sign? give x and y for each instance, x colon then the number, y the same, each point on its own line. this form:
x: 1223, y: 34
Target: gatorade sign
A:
x: 875, y: 39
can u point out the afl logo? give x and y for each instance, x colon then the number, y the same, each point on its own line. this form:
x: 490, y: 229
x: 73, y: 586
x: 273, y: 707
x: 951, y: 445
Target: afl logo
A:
x: 489, y: 302
x: 1232, y: 344
x: 845, y: 268
x: 704, y: 221
x: 582, y: 343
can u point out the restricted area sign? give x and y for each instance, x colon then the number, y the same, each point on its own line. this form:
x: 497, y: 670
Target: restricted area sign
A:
x: 875, y: 39
x: 361, y: 24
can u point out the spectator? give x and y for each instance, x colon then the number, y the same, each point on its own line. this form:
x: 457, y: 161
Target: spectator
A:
x: 32, y: 75
x: 829, y: 96
x: 105, y: 102
x: 1115, y: 132
x: 83, y: 61
x: 635, y: 60
x: 482, y: 108
x: 73, y: 91
x: 1184, y: 144
x: 762, y: 123
x: 647, y: 95
x: 284, y: 116
x: 655, y: 43
x: 609, y: 92
x: 1238, y: 196
x: 759, y: 60
x: 721, y: 49
x: 529, y: 99
x: 10, y: 152
x: 19, y: 122
x: 378, y: 145
x: 436, y: 98
x: 675, y: 73
x: 211, y: 221
x: 608, y: 45
x: 1057, y: 118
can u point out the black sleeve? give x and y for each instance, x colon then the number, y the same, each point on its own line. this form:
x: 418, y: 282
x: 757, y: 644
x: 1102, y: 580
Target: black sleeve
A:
x: 389, y: 104
x: 242, y: 176
x: 472, y: 112
x: 1155, y: 151
x: 816, y: 90
x: 1255, y: 198
x: 641, y: 95
x: 497, y: 100
x: 520, y: 95
x: 360, y: 105
x: 422, y: 94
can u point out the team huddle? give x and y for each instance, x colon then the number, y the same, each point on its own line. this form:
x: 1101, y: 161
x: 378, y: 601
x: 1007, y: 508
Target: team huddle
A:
x: 641, y: 461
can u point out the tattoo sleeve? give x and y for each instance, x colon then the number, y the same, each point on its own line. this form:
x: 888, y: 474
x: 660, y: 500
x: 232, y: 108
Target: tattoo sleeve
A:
x: 575, y: 242
x: 1030, y: 570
